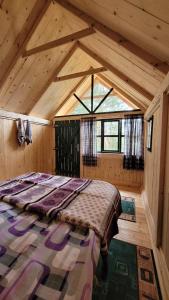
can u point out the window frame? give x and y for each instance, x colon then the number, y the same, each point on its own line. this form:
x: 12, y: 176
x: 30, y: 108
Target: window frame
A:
x: 103, y: 135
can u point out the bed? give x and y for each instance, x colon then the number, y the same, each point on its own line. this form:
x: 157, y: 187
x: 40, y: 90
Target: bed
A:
x: 52, y: 230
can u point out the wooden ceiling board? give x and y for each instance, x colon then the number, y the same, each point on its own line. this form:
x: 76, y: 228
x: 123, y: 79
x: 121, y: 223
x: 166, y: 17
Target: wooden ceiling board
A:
x: 131, y: 70
x: 140, y: 27
x: 27, y: 79
x: 158, y: 9
x: 127, y: 88
x: 57, y: 91
x: 13, y: 17
x: 30, y: 74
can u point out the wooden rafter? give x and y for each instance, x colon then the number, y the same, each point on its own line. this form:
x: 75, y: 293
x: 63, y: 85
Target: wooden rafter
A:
x: 115, y: 71
x: 31, y: 24
x: 104, y: 98
x: 70, y: 94
x: 64, y: 40
x: 116, y: 37
x: 56, y: 71
x: 80, y: 74
x: 122, y: 93
x: 81, y: 102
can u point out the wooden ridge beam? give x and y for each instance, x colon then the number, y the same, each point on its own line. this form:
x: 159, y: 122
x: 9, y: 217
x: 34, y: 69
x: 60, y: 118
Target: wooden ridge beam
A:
x: 22, y: 39
x: 142, y: 106
x: 70, y: 94
x: 116, y: 37
x: 56, y: 71
x: 59, y: 42
x: 116, y: 72
x: 80, y: 74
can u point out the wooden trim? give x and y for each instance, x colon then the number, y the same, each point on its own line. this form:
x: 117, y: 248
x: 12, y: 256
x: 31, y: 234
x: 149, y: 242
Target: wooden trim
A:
x: 116, y: 37
x: 70, y: 94
x: 163, y: 273
x: 64, y: 40
x: 161, y: 172
x: 115, y: 71
x: 164, y: 87
x: 81, y: 102
x: 80, y: 74
x: 14, y: 116
x: 104, y: 98
x: 53, y: 75
x: 33, y: 20
x: 122, y: 93
x: 109, y: 115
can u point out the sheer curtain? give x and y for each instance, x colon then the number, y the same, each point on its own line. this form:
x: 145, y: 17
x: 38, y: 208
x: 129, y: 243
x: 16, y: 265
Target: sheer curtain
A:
x: 134, y: 143
x: 88, y: 138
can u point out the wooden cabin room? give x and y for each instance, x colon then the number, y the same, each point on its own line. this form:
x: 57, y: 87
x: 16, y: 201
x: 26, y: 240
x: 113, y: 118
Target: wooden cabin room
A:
x: 84, y: 149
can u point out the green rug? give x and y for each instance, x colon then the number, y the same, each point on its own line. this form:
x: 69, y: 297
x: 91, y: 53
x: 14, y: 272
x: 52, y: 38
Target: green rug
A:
x: 131, y: 275
x: 128, y: 209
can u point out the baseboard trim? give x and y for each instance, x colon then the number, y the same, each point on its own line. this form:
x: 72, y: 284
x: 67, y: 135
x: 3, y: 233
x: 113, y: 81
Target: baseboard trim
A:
x: 162, y: 270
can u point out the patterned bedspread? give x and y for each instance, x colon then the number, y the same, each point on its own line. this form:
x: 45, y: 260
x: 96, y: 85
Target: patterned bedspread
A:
x: 40, y: 259
x: 60, y: 254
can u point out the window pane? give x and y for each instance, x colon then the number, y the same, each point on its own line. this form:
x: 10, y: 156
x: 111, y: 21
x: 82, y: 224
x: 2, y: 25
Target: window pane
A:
x: 98, y: 144
x: 111, y: 128
x: 98, y: 127
x: 122, y: 144
x: 110, y: 143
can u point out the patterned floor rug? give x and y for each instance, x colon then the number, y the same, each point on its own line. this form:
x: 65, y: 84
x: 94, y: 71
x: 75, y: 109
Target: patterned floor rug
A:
x: 128, y: 209
x: 131, y: 275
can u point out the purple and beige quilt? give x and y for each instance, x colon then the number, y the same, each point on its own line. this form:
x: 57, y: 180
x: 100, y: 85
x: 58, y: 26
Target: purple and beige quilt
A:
x: 51, y: 231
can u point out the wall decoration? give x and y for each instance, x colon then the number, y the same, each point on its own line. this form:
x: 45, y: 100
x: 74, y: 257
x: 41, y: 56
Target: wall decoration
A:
x: 149, y: 134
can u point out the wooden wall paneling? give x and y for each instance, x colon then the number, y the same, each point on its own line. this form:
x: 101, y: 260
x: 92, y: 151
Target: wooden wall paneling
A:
x: 161, y: 171
x: 110, y: 168
x: 15, y: 159
x: 165, y: 229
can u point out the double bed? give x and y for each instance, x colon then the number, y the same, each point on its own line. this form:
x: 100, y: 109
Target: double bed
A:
x: 52, y: 230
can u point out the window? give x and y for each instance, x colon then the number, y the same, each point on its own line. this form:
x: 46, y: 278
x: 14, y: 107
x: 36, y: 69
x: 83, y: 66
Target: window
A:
x: 110, y: 135
x: 112, y: 103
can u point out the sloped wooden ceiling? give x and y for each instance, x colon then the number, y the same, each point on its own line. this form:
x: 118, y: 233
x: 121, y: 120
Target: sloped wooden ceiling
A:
x: 128, y: 37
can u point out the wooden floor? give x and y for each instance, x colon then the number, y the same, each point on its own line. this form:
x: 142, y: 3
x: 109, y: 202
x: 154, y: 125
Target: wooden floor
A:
x: 135, y: 233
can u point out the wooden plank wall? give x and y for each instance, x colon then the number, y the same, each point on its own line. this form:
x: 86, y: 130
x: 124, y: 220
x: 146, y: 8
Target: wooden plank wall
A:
x: 15, y: 159
x: 165, y: 231
x: 110, y: 168
x: 156, y: 188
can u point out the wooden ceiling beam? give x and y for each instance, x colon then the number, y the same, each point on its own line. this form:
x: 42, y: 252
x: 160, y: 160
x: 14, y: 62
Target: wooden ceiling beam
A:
x: 24, y: 36
x: 59, y: 42
x: 56, y: 71
x: 70, y: 94
x: 116, y: 72
x: 116, y: 37
x: 80, y: 74
x: 122, y: 93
